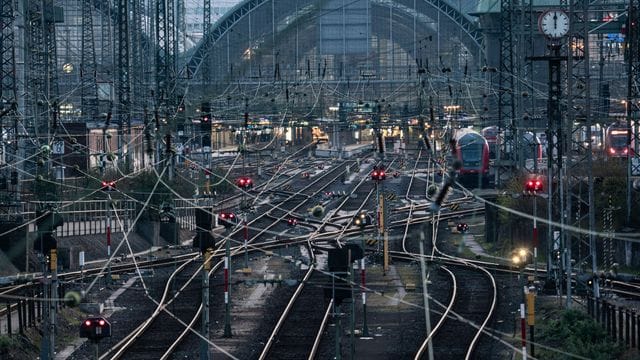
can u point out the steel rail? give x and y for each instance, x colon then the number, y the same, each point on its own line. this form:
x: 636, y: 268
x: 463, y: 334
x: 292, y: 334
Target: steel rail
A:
x: 126, y: 342
x: 285, y: 313
x: 323, y: 326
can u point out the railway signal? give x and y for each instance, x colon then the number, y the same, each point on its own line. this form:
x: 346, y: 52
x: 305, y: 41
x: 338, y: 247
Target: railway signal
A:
x: 244, y: 182
x: 95, y: 328
x: 378, y: 173
x: 462, y: 227
x: 205, y: 117
x: 47, y: 223
x: 227, y: 219
x: 292, y: 222
x: 533, y: 186
x: 108, y: 185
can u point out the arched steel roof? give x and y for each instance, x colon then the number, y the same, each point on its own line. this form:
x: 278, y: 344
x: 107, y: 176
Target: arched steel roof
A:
x: 468, y: 26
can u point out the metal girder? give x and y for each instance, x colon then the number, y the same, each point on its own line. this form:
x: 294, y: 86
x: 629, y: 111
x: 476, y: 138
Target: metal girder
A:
x: 506, y: 101
x: 162, y: 50
x: 579, y: 195
x: 206, y: 25
x: 633, y: 100
x: 88, y: 69
x: 525, y: 109
x: 138, y: 51
x: 464, y: 21
x: 211, y: 37
x: 165, y: 57
x: 41, y: 57
x: 123, y: 108
x: 171, y: 40
x: 124, y: 67
x: 8, y: 87
x: 8, y: 95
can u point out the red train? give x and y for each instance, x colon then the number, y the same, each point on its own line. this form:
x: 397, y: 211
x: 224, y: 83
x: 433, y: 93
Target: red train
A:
x: 491, y: 134
x: 531, y: 144
x: 472, y: 150
x: 616, y: 141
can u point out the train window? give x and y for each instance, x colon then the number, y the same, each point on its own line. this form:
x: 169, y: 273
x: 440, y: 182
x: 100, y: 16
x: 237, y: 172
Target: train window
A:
x: 472, y: 153
x: 619, y: 140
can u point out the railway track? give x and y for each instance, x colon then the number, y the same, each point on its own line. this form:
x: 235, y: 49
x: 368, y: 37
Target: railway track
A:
x: 177, y: 307
x: 472, y: 305
x: 290, y: 340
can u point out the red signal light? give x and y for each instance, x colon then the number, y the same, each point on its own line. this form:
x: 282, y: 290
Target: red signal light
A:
x: 244, y: 182
x: 87, y: 323
x: 230, y: 216
x: 532, y: 186
x: 101, y: 322
x: 462, y: 227
x: 108, y: 185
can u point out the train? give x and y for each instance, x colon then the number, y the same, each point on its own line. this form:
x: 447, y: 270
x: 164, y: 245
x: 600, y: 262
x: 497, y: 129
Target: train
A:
x: 532, y: 150
x: 533, y: 147
x: 616, y: 141
x: 490, y: 133
x: 472, y: 150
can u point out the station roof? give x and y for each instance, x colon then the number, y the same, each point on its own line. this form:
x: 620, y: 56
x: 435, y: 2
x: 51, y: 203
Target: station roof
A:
x: 493, y: 6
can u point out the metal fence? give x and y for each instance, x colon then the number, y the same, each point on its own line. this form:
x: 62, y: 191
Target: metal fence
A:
x: 621, y: 323
x: 90, y: 217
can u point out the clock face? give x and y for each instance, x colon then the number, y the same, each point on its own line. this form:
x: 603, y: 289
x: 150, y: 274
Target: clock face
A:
x: 554, y: 23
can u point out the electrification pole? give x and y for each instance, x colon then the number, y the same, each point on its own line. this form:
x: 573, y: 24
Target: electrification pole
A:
x: 227, y: 305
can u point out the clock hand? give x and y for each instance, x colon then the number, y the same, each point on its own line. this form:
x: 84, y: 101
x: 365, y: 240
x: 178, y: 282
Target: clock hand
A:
x: 555, y: 21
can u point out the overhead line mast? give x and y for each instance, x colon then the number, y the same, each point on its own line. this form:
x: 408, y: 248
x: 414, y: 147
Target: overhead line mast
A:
x: 506, y: 103
x: 633, y: 100
x: 123, y: 109
x: 88, y: 68
x: 8, y: 95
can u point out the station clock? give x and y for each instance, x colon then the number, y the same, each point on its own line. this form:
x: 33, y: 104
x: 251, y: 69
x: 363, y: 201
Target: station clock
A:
x: 554, y: 23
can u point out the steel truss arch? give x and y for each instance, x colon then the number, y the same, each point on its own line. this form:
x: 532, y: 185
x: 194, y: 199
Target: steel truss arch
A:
x: 227, y: 22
